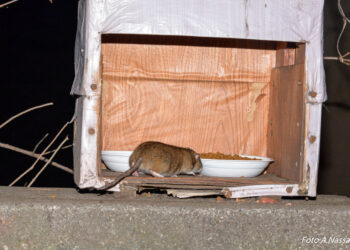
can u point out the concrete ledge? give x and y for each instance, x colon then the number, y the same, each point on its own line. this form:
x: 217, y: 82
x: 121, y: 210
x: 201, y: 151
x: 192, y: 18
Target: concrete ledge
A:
x: 39, y: 218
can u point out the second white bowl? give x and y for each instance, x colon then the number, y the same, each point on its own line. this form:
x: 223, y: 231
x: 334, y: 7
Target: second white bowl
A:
x: 235, y: 168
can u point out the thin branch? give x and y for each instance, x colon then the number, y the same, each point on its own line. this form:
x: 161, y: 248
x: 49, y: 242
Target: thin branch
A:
x: 342, y: 12
x: 47, y: 163
x: 34, y: 155
x: 49, y: 152
x: 42, y: 153
x: 331, y: 58
x: 42, y: 139
x: 5, y: 4
x: 23, y: 112
x: 341, y: 58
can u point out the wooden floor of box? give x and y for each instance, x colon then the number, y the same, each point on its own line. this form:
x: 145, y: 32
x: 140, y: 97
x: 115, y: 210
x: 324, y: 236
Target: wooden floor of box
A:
x: 196, y: 182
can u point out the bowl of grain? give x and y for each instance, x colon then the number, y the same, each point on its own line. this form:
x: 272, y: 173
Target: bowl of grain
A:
x: 221, y: 165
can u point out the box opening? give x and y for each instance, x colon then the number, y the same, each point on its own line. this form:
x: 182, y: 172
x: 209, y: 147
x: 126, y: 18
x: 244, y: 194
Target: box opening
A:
x: 232, y: 96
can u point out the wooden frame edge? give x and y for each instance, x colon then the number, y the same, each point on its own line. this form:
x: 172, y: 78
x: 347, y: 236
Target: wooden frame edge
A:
x: 262, y: 190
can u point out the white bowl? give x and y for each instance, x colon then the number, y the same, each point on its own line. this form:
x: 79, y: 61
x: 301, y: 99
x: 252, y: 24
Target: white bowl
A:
x: 119, y: 161
x: 116, y: 160
x: 235, y: 168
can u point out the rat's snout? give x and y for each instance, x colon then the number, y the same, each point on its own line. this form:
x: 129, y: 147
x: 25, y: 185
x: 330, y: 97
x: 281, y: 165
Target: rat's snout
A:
x: 198, y: 166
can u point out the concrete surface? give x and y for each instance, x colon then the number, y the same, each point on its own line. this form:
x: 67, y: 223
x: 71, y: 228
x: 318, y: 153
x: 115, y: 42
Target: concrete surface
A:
x: 46, y: 218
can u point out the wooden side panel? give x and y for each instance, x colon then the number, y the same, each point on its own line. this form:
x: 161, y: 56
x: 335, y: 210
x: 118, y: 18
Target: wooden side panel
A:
x: 300, y: 54
x: 284, y: 56
x: 286, y: 121
x: 211, y: 98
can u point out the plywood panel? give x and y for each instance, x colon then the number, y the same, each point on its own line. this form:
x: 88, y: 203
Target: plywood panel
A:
x: 286, y: 124
x: 192, y: 63
x: 210, y: 98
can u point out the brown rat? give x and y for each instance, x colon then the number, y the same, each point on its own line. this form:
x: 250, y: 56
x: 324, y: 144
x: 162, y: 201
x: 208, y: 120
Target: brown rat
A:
x: 160, y: 160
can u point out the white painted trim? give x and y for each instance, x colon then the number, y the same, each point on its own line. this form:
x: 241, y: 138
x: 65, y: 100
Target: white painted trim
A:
x: 92, y: 45
x: 312, y: 150
x: 88, y: 152
x: 263, y: 190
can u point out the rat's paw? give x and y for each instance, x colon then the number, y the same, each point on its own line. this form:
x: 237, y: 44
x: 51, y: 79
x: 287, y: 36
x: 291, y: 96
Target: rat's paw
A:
x: 191, y: 173
x: 155, y: 174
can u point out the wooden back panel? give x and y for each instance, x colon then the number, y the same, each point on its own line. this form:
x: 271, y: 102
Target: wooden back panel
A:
x: 211, y: 96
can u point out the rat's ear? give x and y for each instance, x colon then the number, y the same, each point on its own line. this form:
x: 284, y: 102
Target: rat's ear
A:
x: 196, y: 156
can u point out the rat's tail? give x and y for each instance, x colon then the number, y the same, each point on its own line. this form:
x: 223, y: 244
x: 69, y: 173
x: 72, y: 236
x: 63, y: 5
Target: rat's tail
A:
x: 127, y: 173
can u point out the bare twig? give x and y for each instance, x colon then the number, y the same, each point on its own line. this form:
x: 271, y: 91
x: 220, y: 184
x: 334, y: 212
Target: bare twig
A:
x: 47, y: 163
x: 42, y: 153
x: 34, y: 155
x: 341, y: 58
x: 42, y: 139
x: 9, y: 2
x: 23, y: 112
x: 49, y: 152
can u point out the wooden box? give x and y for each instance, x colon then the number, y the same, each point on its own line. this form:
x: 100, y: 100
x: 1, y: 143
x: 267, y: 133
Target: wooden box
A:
x: 228, y: 95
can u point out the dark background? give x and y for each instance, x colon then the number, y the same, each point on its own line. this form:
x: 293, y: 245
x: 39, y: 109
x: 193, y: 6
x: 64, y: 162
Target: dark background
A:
x: 37, y: 66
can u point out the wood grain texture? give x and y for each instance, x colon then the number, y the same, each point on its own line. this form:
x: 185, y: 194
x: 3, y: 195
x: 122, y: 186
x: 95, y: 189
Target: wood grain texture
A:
x: 300, y: 53
x: 211, y: 98
x: 286, y: 122
x: 285, y: 54
x: 196, y: 182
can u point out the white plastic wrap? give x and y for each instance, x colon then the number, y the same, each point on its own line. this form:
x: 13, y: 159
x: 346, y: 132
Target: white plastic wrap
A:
x: 280, y: 20
x: 79, y: 50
